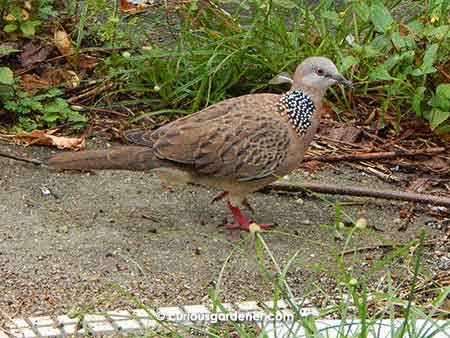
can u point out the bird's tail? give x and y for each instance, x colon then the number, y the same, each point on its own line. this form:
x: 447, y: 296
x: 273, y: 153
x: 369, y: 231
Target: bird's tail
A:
x: 126, y: 158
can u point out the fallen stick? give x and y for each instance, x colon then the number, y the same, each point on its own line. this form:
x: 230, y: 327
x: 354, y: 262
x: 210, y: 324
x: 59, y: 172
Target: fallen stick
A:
x: 391, y: 246
x: 332, y: 189
x: 385, y: 155
x: 22, y: 159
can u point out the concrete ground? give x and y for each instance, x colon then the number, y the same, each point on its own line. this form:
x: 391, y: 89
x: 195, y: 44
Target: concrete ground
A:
x: 66, y: 250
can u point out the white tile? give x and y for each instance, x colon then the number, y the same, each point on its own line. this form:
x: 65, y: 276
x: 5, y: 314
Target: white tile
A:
x: 48, y: 331
x: 195, y: 309
x: 64, y: 320
x: 145, y: 319
x: 332, y: 329
x: 41, y: 321
x: 280, y: 304
x: 141, y: 313
x: 247, y: 306
x: 148, y: 323
x: 227, y: 307
x: 27, y: 333
x: 100, y: 327
x: 94, y: 318
x: 119, y: 315
x: 128, y: 325
x: 70, y: 329
x: 17, y: 323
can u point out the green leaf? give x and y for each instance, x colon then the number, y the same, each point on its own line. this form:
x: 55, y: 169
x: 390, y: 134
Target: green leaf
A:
x: 430, y: 55
x: 397, y: 40
x: 51, y: 117
x: 428, y: 60
x: 417, y: 99
x: 381, y: 17
x: 363, y: 11
x: 6, y: 76
x: 443, y: 90
x: 11, y: 27
x: 347, y: 62
x: 380, y: 73
x: 438, y: 33
x: 284, y: 3
x: 28, y: 28
x: 445, y: 129
x: 437, y: 117
x: 4, y: 51
x: 381, y: 43
x: 416, y: 27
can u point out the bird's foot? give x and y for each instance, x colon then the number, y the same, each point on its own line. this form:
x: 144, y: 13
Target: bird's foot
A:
x: 252, y: 227
x: 243, y: 222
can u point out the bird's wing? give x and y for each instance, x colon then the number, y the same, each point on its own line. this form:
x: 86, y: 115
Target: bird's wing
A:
x: 241, y: 138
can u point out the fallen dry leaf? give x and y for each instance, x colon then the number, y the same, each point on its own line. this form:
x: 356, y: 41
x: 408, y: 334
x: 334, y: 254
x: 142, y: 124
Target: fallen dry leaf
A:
x: 45, y: 138
x: 437, y: 164
x: 419, y: 185
x: 34, y: 52
x: 348, y: 134
x: 32, y: 83
x: 63, y: 43
x: 135, y: 6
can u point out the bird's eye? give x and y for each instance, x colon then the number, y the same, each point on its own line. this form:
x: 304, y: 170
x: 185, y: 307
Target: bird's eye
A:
x: 319, y: 71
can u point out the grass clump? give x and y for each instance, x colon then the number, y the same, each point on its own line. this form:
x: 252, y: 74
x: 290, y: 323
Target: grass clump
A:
x: 397, y: 53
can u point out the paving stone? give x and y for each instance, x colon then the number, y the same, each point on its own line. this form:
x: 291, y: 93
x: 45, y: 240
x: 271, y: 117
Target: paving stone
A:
x: 247, y: 306
x: 227, y: 307
x: 100, y: 327
x: 196, y: 309
x: 119, y: 315
x: 27, y: 333
x: 94, y: 318
x: 128, y: 325
x: 280, y: 304
x: 64, y: 320
x: 141, y: 313
x: 70, y: 329
x: 145, y: 319
x: 17, y: 323
x: 41, y: 321
x: 48, y: 331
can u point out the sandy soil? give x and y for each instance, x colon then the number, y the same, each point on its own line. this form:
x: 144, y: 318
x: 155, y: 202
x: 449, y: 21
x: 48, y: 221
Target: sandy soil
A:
x: 64, y: 251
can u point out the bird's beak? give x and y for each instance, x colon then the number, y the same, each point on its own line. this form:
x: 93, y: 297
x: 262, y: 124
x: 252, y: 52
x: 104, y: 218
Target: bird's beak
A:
x: 342, y: 80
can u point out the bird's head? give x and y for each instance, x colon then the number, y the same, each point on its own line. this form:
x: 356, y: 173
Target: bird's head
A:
x: 317, y: 74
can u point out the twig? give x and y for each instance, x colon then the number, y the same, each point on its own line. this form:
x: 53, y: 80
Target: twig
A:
x: 358, y: 191
x: 374, y: 156
x: 390, y: 246
x: 22, y: 159
x: 90, y: 92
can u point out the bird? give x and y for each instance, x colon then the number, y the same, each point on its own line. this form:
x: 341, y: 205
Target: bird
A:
x: 238, y: 145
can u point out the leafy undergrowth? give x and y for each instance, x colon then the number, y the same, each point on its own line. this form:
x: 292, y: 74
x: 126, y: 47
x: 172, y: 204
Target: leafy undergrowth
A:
x: 181, y: 58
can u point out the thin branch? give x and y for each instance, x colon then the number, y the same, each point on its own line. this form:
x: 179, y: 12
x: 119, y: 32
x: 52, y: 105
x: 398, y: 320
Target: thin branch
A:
x: 22, y: 159
x: 391, y: 246
x: 385, y: 155
x: 358, y: 191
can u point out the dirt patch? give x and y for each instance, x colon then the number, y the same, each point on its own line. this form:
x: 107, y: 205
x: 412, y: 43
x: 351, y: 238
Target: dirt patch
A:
x: 63, y: 250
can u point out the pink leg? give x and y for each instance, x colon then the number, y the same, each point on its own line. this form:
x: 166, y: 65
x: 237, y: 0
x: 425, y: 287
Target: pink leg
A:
x: 242, y: 222
x: 220, y: 196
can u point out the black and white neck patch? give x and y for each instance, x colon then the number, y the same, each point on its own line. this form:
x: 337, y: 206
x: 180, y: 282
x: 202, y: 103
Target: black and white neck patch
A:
x: 299, y: 107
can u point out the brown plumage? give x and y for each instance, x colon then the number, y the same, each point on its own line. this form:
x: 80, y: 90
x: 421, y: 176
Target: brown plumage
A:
x: 238, y: 145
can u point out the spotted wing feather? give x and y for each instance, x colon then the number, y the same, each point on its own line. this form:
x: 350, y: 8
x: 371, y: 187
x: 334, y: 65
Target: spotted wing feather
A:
x: 241, y: 138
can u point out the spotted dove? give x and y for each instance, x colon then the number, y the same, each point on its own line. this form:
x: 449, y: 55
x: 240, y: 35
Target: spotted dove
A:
x: 238, y: 145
